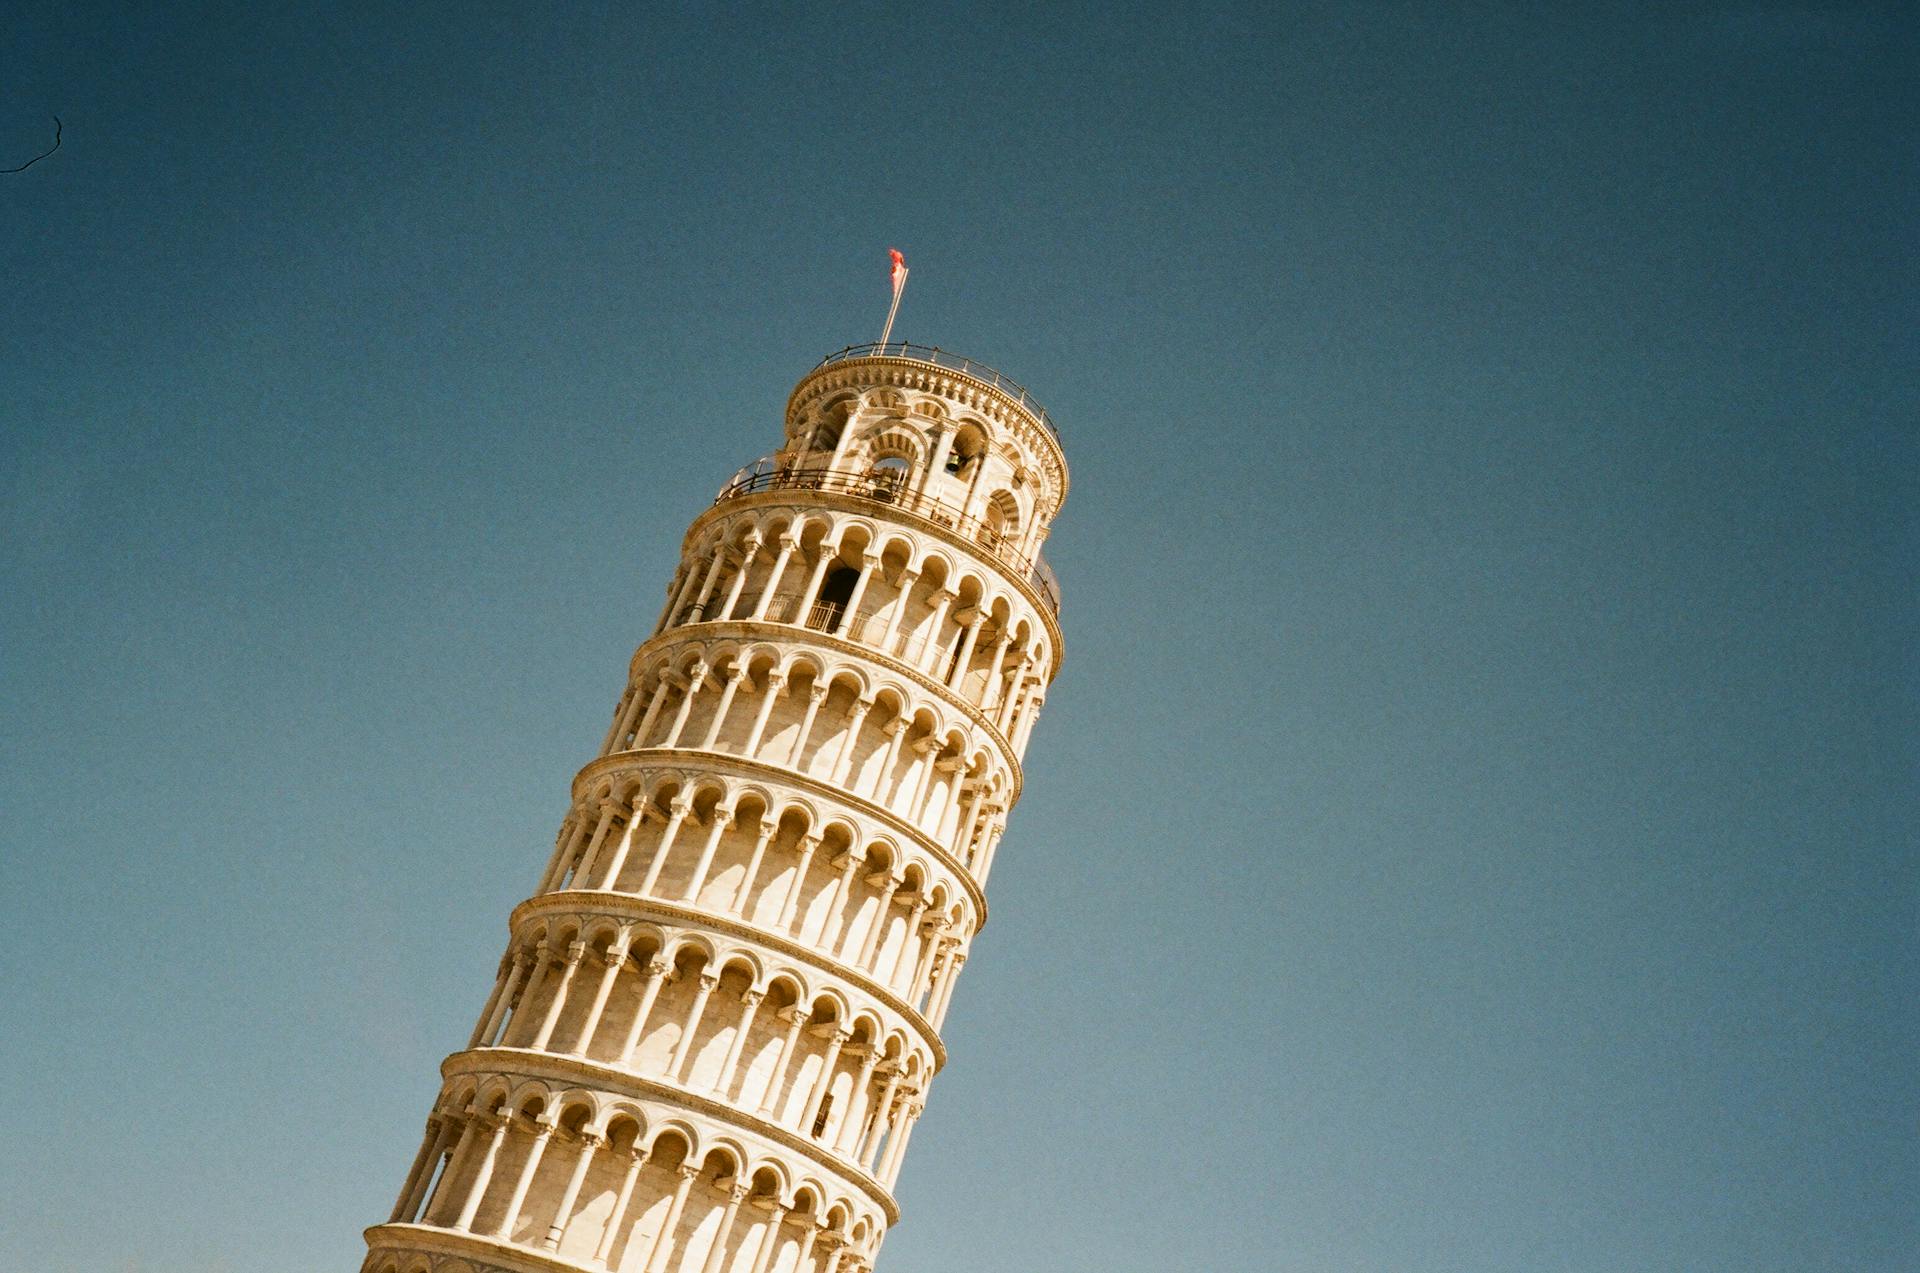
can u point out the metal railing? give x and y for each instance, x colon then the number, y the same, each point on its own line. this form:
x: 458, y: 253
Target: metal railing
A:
x: 883, y: 489
x: 952, y: 362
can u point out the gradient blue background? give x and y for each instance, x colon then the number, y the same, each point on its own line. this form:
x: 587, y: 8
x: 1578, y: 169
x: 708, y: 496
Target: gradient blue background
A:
x: 1473, y: 829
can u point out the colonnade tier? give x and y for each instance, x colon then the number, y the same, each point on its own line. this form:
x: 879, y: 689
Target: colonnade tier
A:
x: 800, y: 656
x: 803, y: 711
x: 717, y: 1017
x: 643, y: 821
x: 637, y: 939
x: 531, y: 1155
x: 964, y: 664
x: 767, y: 555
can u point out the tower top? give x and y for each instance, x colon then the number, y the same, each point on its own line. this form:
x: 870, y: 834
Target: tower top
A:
x: 939, y: 395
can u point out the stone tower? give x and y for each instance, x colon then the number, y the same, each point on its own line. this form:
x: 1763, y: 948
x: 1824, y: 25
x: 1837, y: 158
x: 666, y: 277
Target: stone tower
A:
x: 717, y: 1018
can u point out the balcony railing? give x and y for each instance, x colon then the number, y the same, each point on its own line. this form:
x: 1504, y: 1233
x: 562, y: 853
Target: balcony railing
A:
x: 952, y: 362
x: 883, y: 489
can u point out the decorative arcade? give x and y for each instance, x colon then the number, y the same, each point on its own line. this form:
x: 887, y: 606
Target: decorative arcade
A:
x: 717, y: 1018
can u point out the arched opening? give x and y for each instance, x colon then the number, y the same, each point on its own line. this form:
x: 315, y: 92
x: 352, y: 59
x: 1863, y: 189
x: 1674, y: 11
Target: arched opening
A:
x: 887, y: 476
x: 831, y: 605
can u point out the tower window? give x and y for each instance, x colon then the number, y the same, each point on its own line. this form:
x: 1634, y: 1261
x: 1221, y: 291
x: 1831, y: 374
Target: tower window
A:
x: 820, y: 1120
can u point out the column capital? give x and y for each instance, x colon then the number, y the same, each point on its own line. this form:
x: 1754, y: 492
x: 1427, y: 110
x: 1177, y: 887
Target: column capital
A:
x: 687, y: 1171
x: 709, y: 980
x: 576, y: 951
x: 655, y: 968
x: 818, y: 693
x: 752, y: 998
x: 797, y: 1015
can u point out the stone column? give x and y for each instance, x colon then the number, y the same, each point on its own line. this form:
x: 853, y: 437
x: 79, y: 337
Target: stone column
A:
x: 607, y: 812
x: 501, y: 983
x: 811, y: 1234
x: 897, y: 1148
x: 461, y: 1147
x: 844, y: 761
x: 739, y: 580
x: 751, y: 1001
x: 928, y: 657
x: 857, y: 1099
x: 575, y: 952
x: 796, y: 1022
x: 657, y: 1260
x: 955, y: 963
x: 763, y: 1258
x: 787, y: 545
x: 808, y: 845
x: 883, y: 1111
x: 718, y: 1251
x: 869, y: 944
x: 713, y: 577
x: 849, y: 625
x: 654, y: 705
x: 430, y: 1142
x: 722, y: 819
x: 963, y: 834
x: 824, y: 1084
x: 827, y: 556
x: 914, y: 914
x: 683, y: 1046
x: 542, y: 1134
x: 653, y: 975
x: 958, y: 676
x: 837, y: 912
x: 564, y: 1212
x: 990, y: 688
x: 636, y: 816
x: 615, y: 956
x: 542, y: 959
x: 816, y: 695
x: 688, y: 576
x: 908, y: 577
x: 695, y: 680
x: 622, y: 711
x: 774, y: 683
x: 720, y: 710
x: 482, y: 1174
x: 677, y: 814
x: 741, y: 895
x: 896, y: 732
x: 574, y: 827
x: 986, y: 852
x: 621, y: 1200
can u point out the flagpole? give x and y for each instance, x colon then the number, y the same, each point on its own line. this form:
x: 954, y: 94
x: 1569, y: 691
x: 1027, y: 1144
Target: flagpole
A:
x: 893, y: 309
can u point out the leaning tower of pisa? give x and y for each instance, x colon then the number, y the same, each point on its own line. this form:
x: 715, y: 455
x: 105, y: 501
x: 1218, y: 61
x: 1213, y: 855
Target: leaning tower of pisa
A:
x: 718, y: 1016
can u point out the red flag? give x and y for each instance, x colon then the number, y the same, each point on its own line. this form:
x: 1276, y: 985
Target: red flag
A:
x: 899, y: 272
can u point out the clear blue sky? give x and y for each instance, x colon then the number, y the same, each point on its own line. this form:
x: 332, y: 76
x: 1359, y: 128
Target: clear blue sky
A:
x: 1473, y: 831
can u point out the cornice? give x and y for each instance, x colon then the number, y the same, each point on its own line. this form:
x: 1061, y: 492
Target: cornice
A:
x: 485, y: 1255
